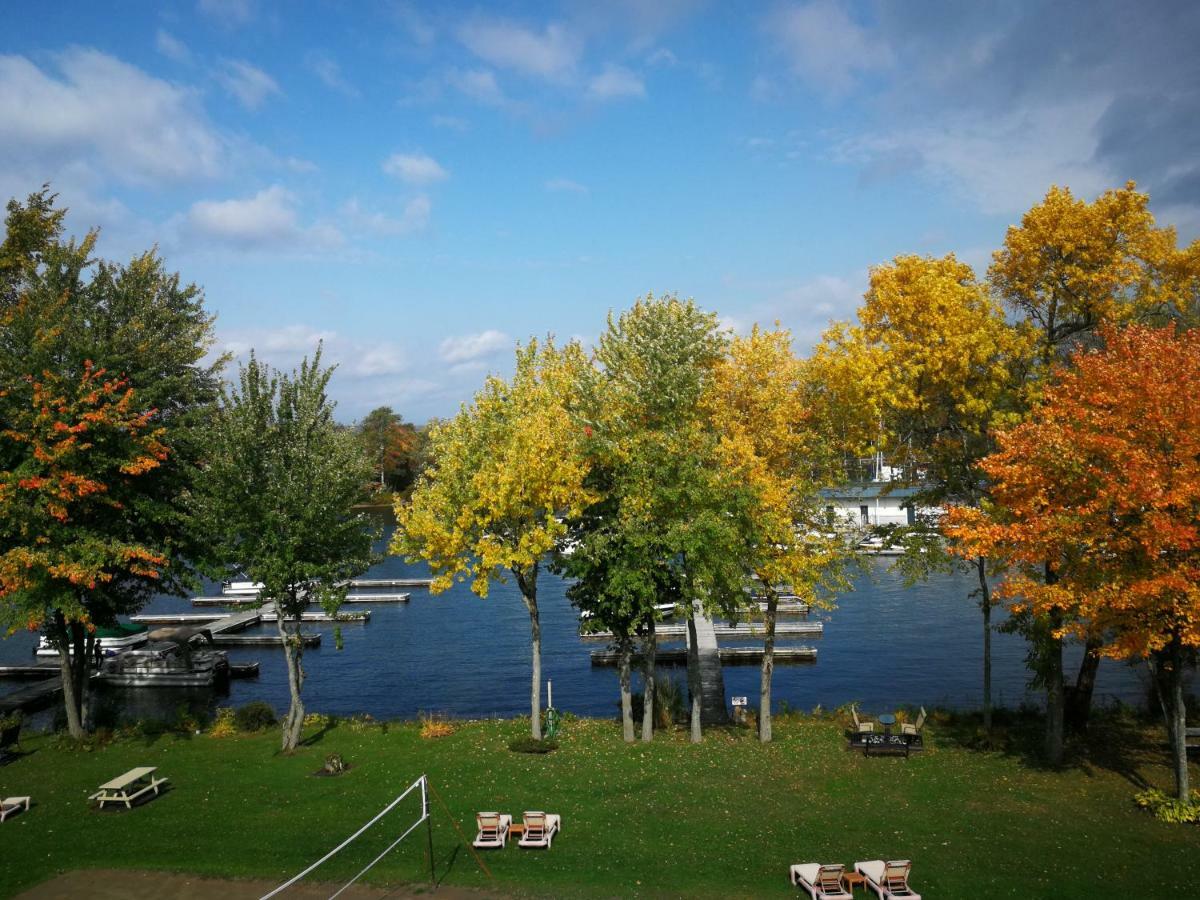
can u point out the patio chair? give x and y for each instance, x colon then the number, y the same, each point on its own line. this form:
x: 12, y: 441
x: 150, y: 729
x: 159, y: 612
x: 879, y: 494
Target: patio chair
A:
x: 888, y: 879
x: 493, y: 830
x: 11, y: 805
x: 859, y: 726
x: 821, y: 882
x: 914, y: 729
x: 540, y: 829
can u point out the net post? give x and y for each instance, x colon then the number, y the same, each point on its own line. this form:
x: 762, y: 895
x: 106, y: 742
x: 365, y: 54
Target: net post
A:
x: 428, y: 828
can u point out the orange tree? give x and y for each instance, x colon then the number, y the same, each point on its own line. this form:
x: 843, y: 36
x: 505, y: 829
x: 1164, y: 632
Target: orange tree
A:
x: 66, y: 314
x: 84, y: 446
x: 1098, y: 507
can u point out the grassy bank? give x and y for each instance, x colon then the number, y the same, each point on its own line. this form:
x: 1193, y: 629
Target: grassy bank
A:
x: 724, y: 818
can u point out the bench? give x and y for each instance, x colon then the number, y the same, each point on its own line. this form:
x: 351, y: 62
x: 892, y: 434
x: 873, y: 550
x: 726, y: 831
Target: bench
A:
x: 128, y: 787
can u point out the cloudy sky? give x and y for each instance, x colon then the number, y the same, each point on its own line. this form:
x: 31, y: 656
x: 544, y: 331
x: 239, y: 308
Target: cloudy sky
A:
x: 423, y: 185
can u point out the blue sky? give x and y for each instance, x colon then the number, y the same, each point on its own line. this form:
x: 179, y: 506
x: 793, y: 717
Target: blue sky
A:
x: 423, y: 185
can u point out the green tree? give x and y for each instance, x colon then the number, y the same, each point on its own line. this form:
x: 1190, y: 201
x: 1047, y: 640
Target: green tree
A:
x: 64, y: 317
x: 394, y: 445
x: 278, y: 491
x: 676, y: 507
x: 503, y: 474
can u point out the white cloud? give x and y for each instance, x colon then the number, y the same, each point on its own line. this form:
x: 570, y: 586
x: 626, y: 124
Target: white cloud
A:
x: 326, y: 68
x: 662, y: 57
x: 229, y: 12
x: 552, y: 53
x: 249, y: 84
x: 566, y: 185
x: 99, y: 110
x: 825, y: 46
x: 268, y: 220
x: 171, y: 47
x: 413, y: 218
x: 469, y: 348
x: 1002, y: 163
x: 478, y: 84
x: 414, y: 168
x: 615, y: 82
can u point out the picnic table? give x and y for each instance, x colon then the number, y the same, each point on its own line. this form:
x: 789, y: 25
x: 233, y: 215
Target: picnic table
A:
x: 128, y: 787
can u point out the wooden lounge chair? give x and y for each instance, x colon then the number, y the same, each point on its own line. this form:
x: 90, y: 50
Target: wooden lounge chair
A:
x: 493, y: 830
x: 11, y: 805
x: 861, y: 727
x: 821, y: 882
x: 540, y: 829
x: 914, y: 730
x: 888, y: 879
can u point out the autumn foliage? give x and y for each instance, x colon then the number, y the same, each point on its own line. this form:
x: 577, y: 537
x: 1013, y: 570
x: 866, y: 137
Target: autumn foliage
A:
x: 81, y: 444
x: 1103, y: 481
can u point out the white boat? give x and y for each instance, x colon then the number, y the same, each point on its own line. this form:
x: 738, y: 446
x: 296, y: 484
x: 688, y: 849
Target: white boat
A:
x: 121, y: 637
x: 166, y: 664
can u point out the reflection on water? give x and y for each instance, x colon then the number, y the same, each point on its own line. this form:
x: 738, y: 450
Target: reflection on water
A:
x: 884, y: 645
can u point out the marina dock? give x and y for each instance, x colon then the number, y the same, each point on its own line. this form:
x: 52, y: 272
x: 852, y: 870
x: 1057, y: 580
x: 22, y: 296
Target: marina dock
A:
x: 677, y: 656
x: 35, y: 697
x: 362, y: 616
x: 723, y: 629
x: 310, y: 639
x: 30, y: 672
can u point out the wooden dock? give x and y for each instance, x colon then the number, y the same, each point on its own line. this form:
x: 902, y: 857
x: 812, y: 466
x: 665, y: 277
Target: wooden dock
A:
x: 373, y: 583
x: 30, y: 672
x: 730, y: 656
x: 227, y: 625
x: 713, y: 710
x: 724, y: 630
x: 234, y: 601
x: 176, y: 618
x: 310, y: 639
x: 31, y: 698
x: 362, y: 616
x: 376, y: 598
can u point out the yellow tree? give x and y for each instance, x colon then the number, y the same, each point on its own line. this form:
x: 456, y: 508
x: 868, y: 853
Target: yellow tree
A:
x: 503, y: 474
x: 756, y: 401
x: 1069, y: 268
x: 933, y: 362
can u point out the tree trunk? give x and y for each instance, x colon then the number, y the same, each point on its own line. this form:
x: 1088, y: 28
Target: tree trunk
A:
x: 1166, y: 667
x: 62, y: 638
x: 985, y: 603
x: 293, y: 651
x: 1079, y: 705
x: 768, y: 666
x: 1054, y: 693
x: 649, y: 653
x: 694, y: 686
x: 625, y: 646
x: 528, y: 585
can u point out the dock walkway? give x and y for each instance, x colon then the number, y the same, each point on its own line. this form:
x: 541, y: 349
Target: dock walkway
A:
x: 712, y: 680
x: 723, y: 629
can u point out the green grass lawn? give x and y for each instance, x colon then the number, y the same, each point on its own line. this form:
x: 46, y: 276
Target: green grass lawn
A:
x: 724, y: 818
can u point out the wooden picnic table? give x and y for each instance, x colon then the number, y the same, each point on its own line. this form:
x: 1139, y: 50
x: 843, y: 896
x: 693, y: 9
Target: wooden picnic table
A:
x: 128, y: 787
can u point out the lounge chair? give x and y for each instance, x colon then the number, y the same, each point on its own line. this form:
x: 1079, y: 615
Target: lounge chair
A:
x: 11, y: 805
x: 821, y: 882
x: 493, y: 830
x: 540, y: 829
x: 914, y: 730
x: 861, y: 727
x: 888, y: 879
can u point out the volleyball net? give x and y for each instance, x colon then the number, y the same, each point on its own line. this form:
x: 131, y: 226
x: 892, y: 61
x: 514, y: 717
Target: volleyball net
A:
x: 421, y: 785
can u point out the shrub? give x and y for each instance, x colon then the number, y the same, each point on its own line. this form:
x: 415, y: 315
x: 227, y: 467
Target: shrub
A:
x: 363, y: 723
x: 255, y: 716
x: 435, y: 726
x: 224, y: 725
x: 318, y: 720
x: 531, y: 745
x: 1169, y: 809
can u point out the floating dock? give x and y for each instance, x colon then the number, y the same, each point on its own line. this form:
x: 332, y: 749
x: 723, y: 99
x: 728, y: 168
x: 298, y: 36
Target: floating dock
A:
x: 235, y: 600
x: 30, y: 672
x: 376, y: 598
x: 310, y: 639
x: 721, y: 629
x: 358, y: 584
x: 677, y: 656
x: 36, y: 696
x: 176, y: 618
x: 362, y: 616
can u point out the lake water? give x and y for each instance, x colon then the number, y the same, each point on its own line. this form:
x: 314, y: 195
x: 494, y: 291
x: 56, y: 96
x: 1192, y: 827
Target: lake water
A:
x: 884, y: 645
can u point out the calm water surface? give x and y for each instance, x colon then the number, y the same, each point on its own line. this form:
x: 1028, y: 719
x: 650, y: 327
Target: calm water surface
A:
x: 884, y: 645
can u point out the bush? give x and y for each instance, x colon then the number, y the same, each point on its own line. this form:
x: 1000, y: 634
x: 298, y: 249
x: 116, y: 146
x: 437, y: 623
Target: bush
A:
x: 1169, y: 809
x: 363, y: 723
x: 435, y: 726
x: 318, y: 720
x: 668, y: 703
x: 224, y: 725
x: 531, y: 745
x: 255, y: 716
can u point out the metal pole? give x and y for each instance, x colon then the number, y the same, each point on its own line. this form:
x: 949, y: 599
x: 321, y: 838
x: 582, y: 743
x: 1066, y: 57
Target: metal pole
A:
x: 428, y: 829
